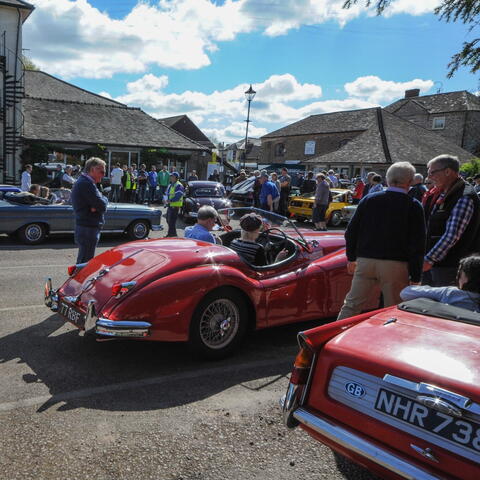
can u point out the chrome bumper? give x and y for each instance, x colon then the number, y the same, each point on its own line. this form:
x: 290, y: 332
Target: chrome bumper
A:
x: 100, y: 326
x: 362, y: 447
x: 157, y: 228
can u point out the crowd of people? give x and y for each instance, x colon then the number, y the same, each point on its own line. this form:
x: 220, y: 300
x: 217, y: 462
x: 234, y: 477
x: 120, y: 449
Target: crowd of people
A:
x: 409, y: 235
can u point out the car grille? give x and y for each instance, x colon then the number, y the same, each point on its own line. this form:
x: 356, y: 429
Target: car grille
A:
x: 361, y: 392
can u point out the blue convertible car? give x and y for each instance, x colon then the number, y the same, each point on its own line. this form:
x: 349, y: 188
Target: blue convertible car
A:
x: 33, y: 223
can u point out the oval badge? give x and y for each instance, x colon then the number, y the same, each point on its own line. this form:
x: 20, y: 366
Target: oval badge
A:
x: 355, y: 389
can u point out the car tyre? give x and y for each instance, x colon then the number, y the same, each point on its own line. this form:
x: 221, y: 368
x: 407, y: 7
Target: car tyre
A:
x: 219, y: 324
x: 300, y: 219
x: 335, y: 219
x: 138, y: 230
x: 33, y: 233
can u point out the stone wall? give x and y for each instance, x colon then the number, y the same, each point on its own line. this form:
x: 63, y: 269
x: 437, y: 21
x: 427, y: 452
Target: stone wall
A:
x: 471, y: 141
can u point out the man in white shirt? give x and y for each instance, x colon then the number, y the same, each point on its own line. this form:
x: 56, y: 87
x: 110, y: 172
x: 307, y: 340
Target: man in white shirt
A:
x: 26, y: 178
x: 116, y: 183
x: 67, y: 179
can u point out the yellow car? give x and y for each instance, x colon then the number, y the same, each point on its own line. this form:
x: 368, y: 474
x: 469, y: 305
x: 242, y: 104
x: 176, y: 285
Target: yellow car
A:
x: 301, y: 206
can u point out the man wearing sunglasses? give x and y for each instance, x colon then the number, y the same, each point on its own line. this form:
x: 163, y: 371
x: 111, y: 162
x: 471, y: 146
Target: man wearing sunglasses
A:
x: 453, y: 229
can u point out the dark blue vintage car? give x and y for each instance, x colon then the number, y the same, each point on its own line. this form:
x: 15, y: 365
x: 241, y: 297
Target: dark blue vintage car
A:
x: 199, y: 193
x: 33, y: 223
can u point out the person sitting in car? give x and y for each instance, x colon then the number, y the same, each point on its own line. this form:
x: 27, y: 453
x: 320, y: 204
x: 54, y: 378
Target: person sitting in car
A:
x: 206, y: 220
x: 466, y: 295
x: 32, y: 197
x: 247, y: 246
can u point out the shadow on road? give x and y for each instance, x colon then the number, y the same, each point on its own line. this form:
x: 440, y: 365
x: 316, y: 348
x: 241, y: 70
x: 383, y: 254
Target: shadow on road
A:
x: 136, y: 375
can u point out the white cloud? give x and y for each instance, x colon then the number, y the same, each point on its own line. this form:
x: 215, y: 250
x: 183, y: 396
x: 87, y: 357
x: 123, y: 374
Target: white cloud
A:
x: 178, y: 34
x: 373, y: 89
x: 280, y: 100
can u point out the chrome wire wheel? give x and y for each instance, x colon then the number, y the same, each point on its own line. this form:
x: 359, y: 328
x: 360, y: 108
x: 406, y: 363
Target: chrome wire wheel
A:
x: 219, y: 323
x: 33, y: 232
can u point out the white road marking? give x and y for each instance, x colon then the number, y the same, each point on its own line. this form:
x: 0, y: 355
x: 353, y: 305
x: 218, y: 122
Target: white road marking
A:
x: 32, y: 266
x: 23, y: 307
x: 115, y: 387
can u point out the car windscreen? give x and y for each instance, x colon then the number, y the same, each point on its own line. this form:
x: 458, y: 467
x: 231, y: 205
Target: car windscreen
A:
x: 426, y: 306
x: 208, y: 192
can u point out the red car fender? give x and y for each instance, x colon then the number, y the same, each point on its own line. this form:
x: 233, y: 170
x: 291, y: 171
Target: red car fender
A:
x: 169, y: 303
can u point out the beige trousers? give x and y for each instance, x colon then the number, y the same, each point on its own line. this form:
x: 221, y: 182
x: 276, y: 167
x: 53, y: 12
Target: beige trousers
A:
x: 390, y: 275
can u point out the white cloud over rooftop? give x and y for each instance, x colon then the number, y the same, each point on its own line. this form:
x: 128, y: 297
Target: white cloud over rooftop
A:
x: 178, y: 34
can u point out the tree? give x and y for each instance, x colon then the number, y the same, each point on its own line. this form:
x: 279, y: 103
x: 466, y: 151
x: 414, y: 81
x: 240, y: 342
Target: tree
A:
x: 466, y: 11
x: 471, y: 168
x: 28, y: 64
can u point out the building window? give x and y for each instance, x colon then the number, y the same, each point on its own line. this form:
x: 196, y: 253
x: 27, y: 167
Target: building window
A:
x: 280, y: 150
x: 438, y: 123
x: 310, y: 147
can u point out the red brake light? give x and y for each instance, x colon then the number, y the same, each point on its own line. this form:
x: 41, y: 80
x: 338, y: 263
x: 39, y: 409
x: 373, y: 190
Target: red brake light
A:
x: 116, y: 289
x: 303, y: 362
x: 71, y: 270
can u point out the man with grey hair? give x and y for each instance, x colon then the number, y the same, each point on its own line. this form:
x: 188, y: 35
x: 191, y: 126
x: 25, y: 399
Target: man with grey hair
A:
x: 385, y: 242
x: 453, y: 228
x: 418, y: 188
x: 206, y: 219
x: 89, y: 206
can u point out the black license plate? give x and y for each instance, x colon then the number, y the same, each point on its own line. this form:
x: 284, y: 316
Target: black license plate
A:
x: 458, y: 430
x: 72, y: 314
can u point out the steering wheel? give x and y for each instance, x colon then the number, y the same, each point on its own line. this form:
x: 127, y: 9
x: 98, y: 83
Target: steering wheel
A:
x: 272, y: 248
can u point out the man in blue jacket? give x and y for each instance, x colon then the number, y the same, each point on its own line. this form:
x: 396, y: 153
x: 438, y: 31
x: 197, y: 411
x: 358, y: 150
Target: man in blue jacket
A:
x: 89, y: 206
x: 385, y: 242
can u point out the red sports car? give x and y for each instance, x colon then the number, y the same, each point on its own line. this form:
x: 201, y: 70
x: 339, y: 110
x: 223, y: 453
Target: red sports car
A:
x: 176, y: 289
x: 396, y: 390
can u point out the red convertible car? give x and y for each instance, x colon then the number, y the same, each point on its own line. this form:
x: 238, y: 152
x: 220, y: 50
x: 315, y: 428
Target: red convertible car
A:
x: 176, y: 289
x: 396, y: 390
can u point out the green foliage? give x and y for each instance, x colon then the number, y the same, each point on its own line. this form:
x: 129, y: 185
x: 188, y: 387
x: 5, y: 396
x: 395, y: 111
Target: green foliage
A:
x: 466, y: 11
x: 28, y: 64
x: 471, y: 168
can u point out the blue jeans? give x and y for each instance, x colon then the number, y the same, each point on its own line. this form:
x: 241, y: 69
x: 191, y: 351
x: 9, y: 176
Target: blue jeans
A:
x: 115, y: 193
x: 172, y: 214
x: 141, y: 192
x: 87, y: 239
x: 151, y: 193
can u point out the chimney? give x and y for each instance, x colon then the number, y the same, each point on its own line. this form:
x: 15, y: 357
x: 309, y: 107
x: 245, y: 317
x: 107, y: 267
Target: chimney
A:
x: 414, y: 92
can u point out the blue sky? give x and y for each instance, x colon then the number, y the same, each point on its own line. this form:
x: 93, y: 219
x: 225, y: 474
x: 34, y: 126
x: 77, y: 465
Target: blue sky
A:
x: 197, y: 57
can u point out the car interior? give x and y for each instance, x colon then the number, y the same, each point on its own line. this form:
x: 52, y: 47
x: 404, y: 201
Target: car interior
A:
x: 273, y: 241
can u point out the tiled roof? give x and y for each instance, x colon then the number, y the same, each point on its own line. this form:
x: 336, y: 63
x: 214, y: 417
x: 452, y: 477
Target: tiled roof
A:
x: 17, y: 4
x: 353, y: 120
x: 441, y: 102
x: 42, y: 85
x: 86, y: 123
x: 184, y: 125
x: 391, y: 139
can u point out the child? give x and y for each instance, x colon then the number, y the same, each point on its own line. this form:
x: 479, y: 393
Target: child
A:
x: 467, y: 295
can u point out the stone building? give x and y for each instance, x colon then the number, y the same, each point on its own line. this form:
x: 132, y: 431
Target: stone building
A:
x: 454, y: 115
x: 12, y: 15
x: 355, y: 141
x: 61, y: 116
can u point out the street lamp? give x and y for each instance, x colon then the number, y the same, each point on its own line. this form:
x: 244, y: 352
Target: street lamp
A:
x: 250, y: 93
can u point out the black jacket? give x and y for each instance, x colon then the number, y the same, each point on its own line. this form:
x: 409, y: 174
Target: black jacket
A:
x: 388, y: 226
x: 470, y: 241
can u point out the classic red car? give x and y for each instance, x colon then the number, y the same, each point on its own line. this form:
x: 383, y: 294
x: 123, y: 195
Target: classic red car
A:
x: 396, y: 390
x: 187, y: 290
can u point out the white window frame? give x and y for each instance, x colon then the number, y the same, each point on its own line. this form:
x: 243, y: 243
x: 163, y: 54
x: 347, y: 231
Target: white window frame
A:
x: 434, y: 127
x: 309, y: 147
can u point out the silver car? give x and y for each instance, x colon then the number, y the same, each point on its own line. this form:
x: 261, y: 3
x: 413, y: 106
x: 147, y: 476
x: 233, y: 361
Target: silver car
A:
x: 34, y: 223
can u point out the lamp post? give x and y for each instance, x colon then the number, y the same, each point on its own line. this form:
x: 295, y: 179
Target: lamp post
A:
x: 249, y: 94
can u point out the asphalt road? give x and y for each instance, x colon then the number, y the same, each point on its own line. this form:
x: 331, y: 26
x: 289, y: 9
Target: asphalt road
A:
x: 73, y: 408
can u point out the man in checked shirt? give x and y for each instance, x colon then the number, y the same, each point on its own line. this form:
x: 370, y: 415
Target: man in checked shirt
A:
x: 453, y: 223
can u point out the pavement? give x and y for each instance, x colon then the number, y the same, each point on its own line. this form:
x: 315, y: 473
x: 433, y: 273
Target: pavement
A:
x: 73, y: 408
